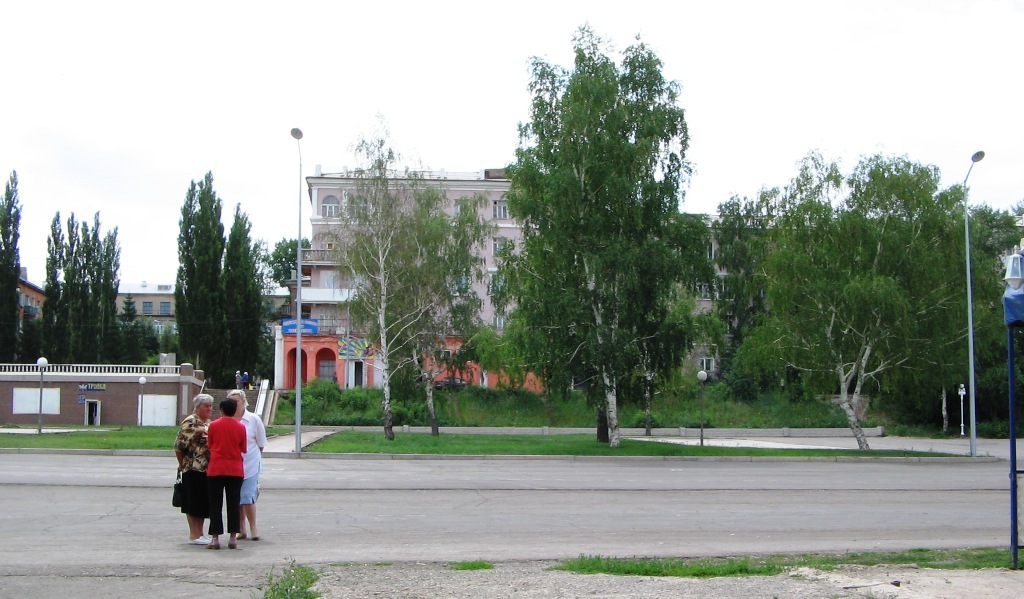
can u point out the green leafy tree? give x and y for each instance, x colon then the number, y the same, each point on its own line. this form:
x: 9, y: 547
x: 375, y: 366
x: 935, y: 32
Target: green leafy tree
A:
x: 742, y: 235
x: 56, y: 328
x: 858, y: 279
x: 596, y: 184
x: 243, y: 284
x: 199, y: 290
x: 30, y: 342
x: 139, y: 339
x: 80, y: 315
x: 282, y: 260
x: 445, y: 284
x: 10, y: 269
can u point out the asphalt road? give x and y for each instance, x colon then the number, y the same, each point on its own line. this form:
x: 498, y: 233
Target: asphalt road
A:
x: 110, y: 516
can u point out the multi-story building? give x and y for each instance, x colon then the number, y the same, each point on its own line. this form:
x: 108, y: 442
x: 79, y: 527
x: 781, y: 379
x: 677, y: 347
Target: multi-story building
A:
x: 154, y: 302
x: 30, y: 297
x: 333, y: 347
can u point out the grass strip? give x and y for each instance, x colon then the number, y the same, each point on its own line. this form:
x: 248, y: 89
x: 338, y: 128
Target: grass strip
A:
x: 127, y: 437
x: 947, y: 559
x: 575, y: 445
x: 472, y: 565
x: 162, y: 438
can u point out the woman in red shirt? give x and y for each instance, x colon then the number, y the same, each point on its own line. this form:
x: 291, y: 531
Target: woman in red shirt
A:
x: 224, y: 474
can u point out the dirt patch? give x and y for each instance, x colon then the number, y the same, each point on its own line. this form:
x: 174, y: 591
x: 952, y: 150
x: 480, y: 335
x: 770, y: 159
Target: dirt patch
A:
x: 536, y: 579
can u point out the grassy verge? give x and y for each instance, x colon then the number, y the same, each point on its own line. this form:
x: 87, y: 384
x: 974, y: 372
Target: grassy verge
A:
x: 129, y: 437
x: 577, y: 445
x: 474, y: 565
x: 295, y: 582
x: 948, y: 559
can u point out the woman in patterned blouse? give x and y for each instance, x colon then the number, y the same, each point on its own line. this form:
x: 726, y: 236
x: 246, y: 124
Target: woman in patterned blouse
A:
x: 193, y: 456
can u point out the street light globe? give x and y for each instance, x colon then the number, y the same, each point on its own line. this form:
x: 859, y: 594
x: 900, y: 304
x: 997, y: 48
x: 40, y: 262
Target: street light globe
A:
x: 702, y: 376
x: 977, y: 156
x: 41, y: 362
x: 142, y: 380
x: 297, y: 134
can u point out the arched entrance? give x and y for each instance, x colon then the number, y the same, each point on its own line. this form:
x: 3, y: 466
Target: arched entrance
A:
x: 289, y: 376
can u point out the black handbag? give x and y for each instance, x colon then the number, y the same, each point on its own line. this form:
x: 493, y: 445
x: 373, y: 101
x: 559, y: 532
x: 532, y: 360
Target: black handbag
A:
x: 178, y: 499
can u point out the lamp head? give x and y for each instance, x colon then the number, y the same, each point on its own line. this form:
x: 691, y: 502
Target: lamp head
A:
x: 142, y: 380
x: 41, y: 362
x: 975, y: 158
x: 297, y: 134
x: 702, y: 376
x: 1014, y: 269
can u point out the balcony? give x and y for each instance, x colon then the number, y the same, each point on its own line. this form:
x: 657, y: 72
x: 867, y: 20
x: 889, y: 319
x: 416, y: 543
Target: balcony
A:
x: 319, y: 256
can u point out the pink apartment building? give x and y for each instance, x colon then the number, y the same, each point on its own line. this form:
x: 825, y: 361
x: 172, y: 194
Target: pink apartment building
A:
x: 332, y: 347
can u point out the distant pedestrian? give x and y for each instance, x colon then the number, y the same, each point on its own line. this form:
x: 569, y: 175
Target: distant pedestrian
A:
x: 245, y: 380
x: 238, y: 379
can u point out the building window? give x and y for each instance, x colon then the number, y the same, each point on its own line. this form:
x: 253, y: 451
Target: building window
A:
x: 147, y: 307
x: 165, y: 308
x: 707, y: 364
x: 495, y: 284
x: 158, y: 327
x: 501, y: 209
x: 499, y: 320
x: 499, y: 242
x: 330, y: 207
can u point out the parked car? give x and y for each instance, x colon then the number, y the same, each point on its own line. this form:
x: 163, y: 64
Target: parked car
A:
x: 452, y: 383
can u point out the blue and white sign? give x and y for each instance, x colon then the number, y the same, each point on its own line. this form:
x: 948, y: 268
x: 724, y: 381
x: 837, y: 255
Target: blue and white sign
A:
x: 310, y: 326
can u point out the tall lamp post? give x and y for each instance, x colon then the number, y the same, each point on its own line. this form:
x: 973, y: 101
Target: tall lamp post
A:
x: 41, y: 364
x: 1013, y: 315
x: 962, y: 392
x: 142, y: 401
x: 975, y: 158
x: 297, y: 134
x: 701, y: 377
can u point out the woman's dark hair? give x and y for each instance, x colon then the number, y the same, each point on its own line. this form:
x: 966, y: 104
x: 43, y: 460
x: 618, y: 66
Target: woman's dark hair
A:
x: 228, y: 406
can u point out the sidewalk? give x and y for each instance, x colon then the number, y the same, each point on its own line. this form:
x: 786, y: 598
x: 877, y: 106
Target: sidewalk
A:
x: 284, y: 445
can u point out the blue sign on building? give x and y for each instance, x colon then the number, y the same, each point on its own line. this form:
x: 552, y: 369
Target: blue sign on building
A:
x: 310, y: 326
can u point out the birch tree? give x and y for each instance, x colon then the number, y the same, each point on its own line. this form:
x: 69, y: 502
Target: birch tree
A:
x: 858, y: 283
x: 400, y: 249
x: 597, y: 177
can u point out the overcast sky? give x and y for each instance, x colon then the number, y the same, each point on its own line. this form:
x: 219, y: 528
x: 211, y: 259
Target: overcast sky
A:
x: 116, y: 106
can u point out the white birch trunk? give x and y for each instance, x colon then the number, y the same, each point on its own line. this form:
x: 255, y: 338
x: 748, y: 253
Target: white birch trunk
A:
x: 945, y: 413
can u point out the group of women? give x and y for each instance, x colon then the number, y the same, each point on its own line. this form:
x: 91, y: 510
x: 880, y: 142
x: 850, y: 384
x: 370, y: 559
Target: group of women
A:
x: 218, y: 460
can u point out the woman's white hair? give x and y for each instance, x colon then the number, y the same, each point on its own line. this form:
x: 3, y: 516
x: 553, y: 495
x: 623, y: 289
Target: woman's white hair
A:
x: 202, y: 398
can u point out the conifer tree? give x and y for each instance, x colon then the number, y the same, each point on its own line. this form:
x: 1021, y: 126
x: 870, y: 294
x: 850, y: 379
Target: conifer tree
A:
x: 10, y: 269
x: 199, y: 292
x: 243, y: 286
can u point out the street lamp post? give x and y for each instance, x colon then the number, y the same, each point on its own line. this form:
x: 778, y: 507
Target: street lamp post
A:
x: 142, y: 401
x: 975, y: 158
x: 1013, y: 316
x: 297, y: 134
x: 962, y: 392
x: 41, y: 364
x: 701, y: 377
